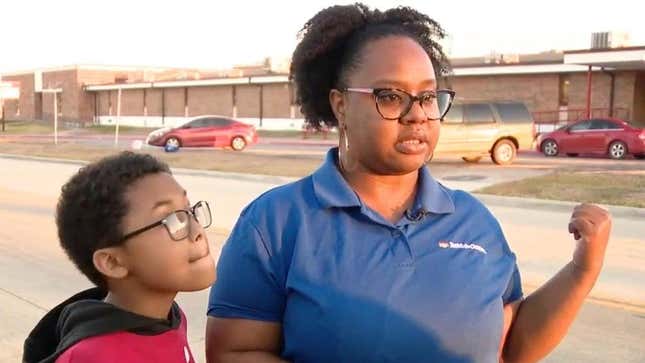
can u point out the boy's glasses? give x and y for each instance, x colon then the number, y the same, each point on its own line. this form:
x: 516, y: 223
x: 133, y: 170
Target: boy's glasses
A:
x: 177, y: 223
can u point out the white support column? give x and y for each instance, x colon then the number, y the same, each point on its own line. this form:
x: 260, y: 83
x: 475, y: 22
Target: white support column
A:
x: 55, y: 91
x: 118, y: 117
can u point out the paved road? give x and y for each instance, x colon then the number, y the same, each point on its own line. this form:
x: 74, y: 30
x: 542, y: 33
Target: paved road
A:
x: 35, y: 274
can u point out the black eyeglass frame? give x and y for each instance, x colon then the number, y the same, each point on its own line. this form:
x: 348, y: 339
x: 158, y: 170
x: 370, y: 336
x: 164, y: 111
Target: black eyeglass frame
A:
x: 190, y: 212
x: 375, y: 93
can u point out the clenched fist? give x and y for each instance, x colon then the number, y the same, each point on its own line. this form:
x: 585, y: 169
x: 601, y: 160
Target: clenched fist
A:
x: 590, y: 225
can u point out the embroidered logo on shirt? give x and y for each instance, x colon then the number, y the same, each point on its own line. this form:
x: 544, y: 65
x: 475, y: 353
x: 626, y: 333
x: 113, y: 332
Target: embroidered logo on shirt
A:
x: 461, y: 245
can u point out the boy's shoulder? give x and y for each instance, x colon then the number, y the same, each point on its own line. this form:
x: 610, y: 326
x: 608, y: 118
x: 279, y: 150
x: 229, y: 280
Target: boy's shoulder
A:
x: 157, y: 341
x: 124, y: 346
x: 86, y: 327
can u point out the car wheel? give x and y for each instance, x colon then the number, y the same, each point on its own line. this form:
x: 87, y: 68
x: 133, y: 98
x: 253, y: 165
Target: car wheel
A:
x: 504, y: 152
x: 640, y: 156
x: 573, y: 155
x: 550, y: 148
x: 617, y: 150
x: 471, y: 159
x: 238, y: 143
x: 173, y: 142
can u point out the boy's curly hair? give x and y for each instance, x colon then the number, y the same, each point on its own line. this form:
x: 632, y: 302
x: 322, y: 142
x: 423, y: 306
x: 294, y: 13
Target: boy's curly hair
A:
x: 92, y: 205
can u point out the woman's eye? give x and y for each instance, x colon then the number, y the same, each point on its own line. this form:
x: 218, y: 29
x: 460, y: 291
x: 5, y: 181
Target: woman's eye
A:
x: 390, y: 97
x: 428, y: 97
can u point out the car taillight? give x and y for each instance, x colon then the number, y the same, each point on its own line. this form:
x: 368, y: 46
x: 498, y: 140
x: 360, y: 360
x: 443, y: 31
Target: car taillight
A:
x: 642, y: 135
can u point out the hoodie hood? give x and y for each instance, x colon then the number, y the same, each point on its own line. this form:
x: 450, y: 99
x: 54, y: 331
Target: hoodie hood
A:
x: 85, y: 315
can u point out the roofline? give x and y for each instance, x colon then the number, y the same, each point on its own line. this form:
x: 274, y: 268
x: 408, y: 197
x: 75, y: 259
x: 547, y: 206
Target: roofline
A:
x: 191, y: 83
x: 518, y: 69
x: 96, y: 67
x: 609, y: 58
x: 639, y: 47
x: 491, y: 65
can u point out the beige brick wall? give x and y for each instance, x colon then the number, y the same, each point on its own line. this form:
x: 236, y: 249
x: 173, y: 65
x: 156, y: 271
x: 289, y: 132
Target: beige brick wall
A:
x: 67, y: 80
x: 248, y: 101
x: 276, y: 101
x: 600, y: 91
x: 174, y: 102
x: 214, y: 100
x: 24, y: 108
x: 103, y: 99
x: 539, y: 92
x: 153, y: 102
x: 639, y: 100
x: 131, y: 102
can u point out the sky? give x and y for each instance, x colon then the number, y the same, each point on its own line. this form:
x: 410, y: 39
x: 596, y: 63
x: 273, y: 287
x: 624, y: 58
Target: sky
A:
x: 218, y: 34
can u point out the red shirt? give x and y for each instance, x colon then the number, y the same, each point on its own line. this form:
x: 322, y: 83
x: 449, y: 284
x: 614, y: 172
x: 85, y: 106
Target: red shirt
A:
x: 168, y: 347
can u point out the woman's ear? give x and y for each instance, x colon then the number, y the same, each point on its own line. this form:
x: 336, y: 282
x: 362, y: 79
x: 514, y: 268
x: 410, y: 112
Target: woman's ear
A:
x: 111, y: 262
x: 337, y: 103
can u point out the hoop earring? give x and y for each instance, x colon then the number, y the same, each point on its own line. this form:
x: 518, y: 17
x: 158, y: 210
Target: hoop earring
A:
x: 341, y: 164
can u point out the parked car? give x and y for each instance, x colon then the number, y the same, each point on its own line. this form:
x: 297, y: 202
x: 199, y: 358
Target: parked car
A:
x: 206, y: 131
x: 610, y: 136
x: 498, y: 129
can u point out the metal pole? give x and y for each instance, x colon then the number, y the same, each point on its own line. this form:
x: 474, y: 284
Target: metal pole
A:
x: 55, y: 118
x: 118, y: 116
x: 261, y: 104
x: 2, y: 112
x: 589, y: 92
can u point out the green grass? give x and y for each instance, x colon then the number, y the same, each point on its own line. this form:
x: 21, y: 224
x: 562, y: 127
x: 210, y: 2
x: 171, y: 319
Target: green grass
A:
x: 47, y: 127
x: 604, y: 188
x: 126, y: 130
x: 297, y: 134
x: 29, y: 127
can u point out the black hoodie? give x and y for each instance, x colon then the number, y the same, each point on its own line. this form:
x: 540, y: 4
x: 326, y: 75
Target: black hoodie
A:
x: 85, y: 315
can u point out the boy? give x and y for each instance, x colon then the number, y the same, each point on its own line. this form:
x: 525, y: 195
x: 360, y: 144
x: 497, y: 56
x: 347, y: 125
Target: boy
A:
x: 127, y: 225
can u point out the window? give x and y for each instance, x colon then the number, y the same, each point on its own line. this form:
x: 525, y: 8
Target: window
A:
x: 514, y: 113
x: 221, y: 122
x: 478, y: 113
x: 583, y: 126
x: 604, y: 125
x: 200, y: 122
x: 455, y: 115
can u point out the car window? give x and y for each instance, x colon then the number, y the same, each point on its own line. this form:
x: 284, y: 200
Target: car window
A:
x: 604, y: 125
x: 581, y: 126
x: 200, y: 122
x: 478, y: 113
x: 221, y: 122
x: 455, y: 115
x: 514, y: 112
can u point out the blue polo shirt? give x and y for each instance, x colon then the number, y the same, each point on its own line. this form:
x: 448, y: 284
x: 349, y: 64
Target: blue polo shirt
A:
x: 349, y: 286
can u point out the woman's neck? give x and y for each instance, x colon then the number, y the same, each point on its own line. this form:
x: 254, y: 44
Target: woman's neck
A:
x: 389, y: 195
x: 145, y: 302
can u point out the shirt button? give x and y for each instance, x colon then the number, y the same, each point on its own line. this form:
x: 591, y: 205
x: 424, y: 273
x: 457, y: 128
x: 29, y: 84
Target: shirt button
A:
x: 396, y: 234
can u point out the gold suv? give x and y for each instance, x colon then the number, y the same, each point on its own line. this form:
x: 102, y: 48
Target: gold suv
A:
x: 498, y: 129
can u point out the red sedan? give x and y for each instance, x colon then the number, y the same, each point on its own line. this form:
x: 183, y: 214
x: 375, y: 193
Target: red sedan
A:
x: 206, y: 131
x: 612, y: 137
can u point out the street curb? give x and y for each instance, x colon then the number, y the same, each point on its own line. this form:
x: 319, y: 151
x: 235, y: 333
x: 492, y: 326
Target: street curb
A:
x: 487, y: 199
x: 556, y: 205
x: 43, y: 158
x: 268, y: 179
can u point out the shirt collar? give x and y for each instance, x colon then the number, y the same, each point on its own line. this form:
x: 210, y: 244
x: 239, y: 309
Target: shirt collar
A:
x: 332, y: 190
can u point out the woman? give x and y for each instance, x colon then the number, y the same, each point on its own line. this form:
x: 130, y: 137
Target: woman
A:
x: 370, y: 258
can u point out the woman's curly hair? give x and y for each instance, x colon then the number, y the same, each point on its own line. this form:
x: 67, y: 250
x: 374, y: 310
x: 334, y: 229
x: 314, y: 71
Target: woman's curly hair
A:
x: 92, y: 205
x: 330, y: 44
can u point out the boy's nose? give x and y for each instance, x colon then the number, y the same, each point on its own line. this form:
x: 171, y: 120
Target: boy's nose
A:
x: 196, y: 231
